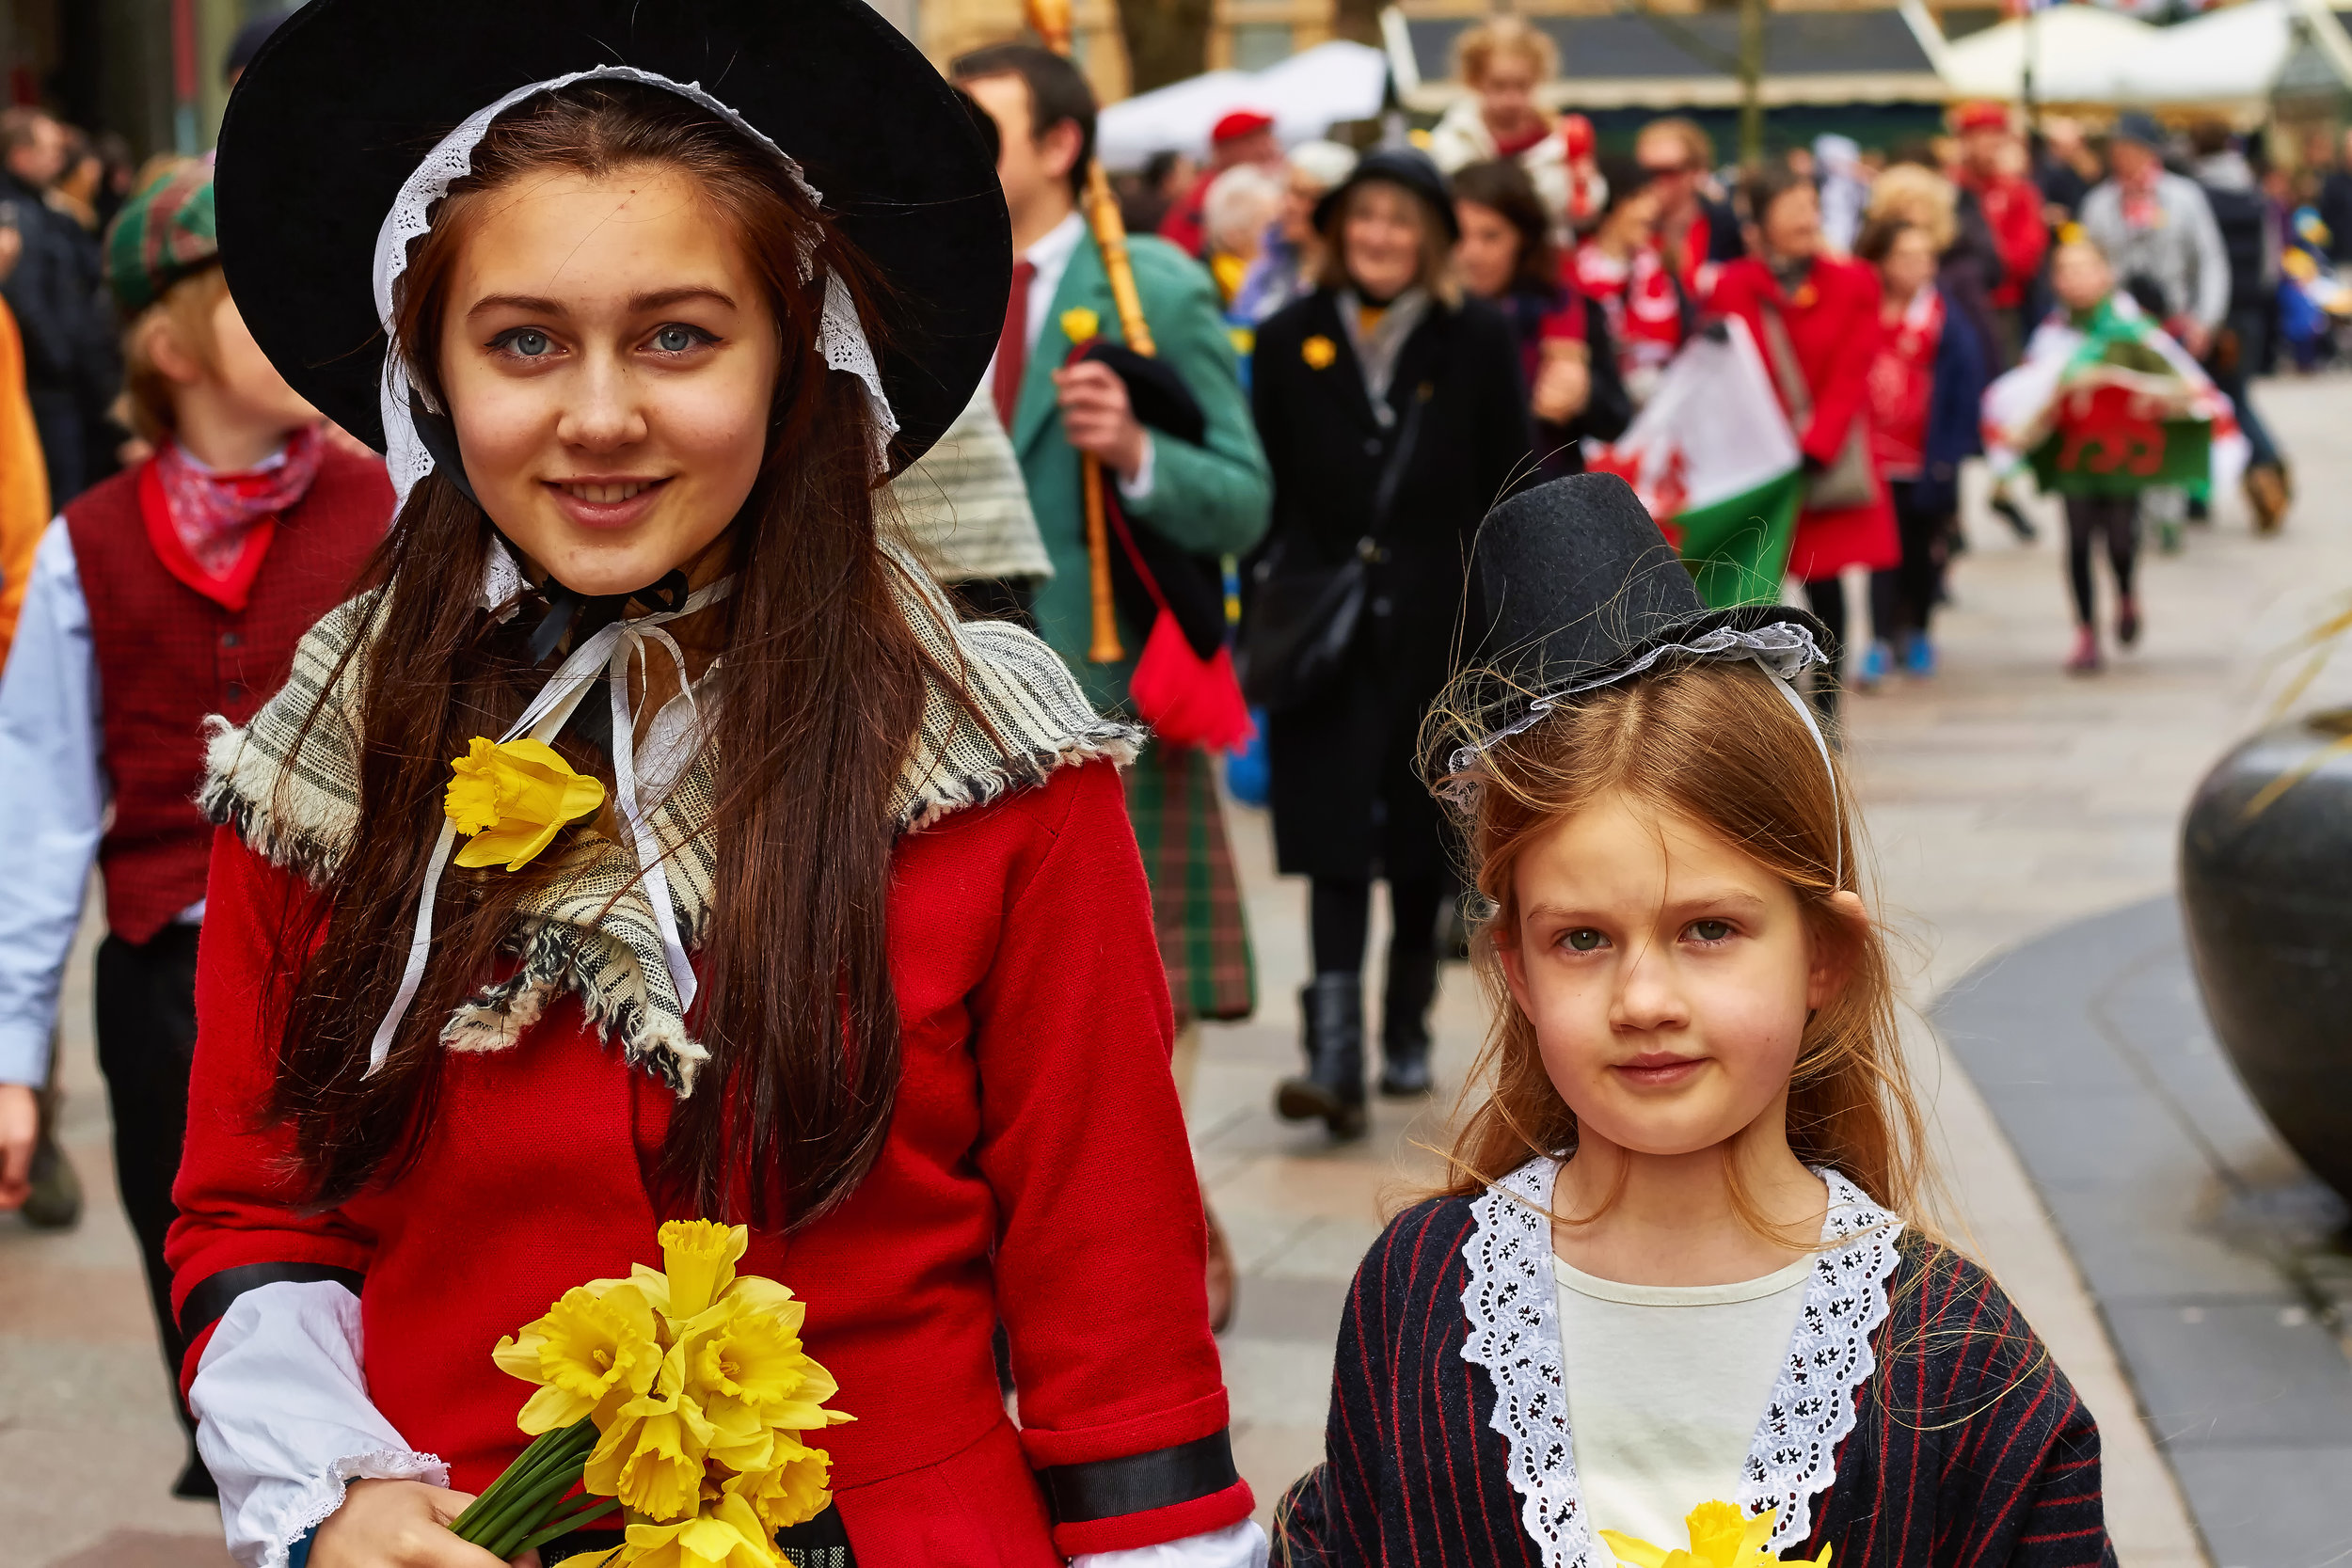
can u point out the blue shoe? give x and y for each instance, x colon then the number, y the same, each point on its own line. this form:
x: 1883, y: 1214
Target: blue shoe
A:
x: 1878, y: 662
x: 1918, y: 656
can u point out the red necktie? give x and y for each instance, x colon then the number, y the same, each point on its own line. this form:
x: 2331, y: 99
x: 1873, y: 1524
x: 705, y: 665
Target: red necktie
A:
x: 1012, y: 348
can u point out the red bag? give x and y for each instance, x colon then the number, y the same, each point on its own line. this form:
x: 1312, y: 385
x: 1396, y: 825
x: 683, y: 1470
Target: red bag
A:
x: 1187, y: 700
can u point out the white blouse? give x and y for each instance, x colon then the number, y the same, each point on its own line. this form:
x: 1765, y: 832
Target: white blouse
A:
x: 1663, y: 1386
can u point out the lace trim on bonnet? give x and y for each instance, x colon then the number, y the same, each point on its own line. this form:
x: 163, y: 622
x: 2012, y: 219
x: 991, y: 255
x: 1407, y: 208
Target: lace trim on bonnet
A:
x: 841, y: 338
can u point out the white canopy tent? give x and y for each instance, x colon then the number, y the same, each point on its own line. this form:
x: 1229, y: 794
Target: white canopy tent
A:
x: 1307, y: 95
x: 2072, y: 50
x: 2230, y: 58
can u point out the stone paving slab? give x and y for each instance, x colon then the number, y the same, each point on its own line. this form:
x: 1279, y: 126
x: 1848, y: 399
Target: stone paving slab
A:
x: 2191, y: 1224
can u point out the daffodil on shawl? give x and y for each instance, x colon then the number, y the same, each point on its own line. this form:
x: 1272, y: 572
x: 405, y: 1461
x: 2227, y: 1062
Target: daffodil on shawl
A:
x: 1721, y: 1537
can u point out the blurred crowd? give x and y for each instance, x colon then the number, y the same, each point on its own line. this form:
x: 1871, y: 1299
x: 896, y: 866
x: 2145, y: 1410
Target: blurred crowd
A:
x: 1607, y: 263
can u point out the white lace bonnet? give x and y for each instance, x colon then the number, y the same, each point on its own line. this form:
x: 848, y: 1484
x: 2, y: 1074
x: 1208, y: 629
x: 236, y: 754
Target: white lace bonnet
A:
x: 841, y: 336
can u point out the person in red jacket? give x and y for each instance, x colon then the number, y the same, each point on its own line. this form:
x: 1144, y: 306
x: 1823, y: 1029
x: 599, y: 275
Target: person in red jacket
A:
x: 1815, y: 317
x: 1992, y: 165
x: 786, y: 898
x: 1242, y: 136
x: 170, y: 591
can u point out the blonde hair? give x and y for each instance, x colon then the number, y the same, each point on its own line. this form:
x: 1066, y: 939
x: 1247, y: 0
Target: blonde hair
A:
x: 1474, y: 52
x: 186, y: 308
x: 1698, y: 147
x: 1917, y: 196
x: 1436, y: 270
x: 1715, y: 744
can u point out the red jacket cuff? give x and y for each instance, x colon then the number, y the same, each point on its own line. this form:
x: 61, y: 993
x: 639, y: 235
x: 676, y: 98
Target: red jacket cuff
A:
x: 1129, y: 1531
x: 1161, y: 1429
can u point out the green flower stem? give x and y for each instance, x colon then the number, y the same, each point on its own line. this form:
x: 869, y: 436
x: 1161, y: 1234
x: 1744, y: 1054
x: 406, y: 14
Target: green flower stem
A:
x: 566, y: 1523
x: 531, y: 1509
x: 489, y: 1514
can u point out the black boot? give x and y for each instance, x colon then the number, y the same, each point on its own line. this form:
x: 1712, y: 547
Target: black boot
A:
x: 1333, y: 1085
x: 1405, y: 1024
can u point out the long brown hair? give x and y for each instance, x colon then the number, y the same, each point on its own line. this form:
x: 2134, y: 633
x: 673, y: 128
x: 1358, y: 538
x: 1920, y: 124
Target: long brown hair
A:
x: 1715, y: 744
x: 822, y: 692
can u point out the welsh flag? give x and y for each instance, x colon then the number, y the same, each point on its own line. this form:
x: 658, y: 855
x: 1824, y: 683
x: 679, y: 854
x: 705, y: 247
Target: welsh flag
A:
x: 1713, y: 460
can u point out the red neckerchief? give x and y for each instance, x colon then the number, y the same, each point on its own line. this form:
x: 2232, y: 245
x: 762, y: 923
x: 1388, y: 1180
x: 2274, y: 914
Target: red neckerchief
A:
x: 211, y: 531
x: 2141, y: 210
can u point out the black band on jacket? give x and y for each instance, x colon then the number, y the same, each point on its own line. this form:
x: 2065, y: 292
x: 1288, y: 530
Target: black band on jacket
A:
x: 212, y: 1295
x: 1108, y: 1488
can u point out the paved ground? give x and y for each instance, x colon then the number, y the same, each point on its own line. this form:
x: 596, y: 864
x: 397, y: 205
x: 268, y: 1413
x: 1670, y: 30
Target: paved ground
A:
x: 2005, y: 801
x: 2216, y: 1259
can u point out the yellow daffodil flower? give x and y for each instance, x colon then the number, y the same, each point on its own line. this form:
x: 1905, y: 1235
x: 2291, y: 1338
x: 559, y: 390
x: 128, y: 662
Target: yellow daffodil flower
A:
x: 727, y: 1536
x: 791, y: 1490
x: 651, y: 1454
x: 1721, y: 1537
x: 1318, y: 351
x: 600, y: 1340
x: 698, y: 1257
x: 513, y: 798
x: 1078, y: 324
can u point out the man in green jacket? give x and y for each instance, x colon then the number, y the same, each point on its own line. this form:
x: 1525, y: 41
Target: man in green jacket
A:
x: 1210, y: 499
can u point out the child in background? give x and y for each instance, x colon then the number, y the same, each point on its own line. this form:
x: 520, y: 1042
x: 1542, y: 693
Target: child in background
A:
x: 2105, y: 407
x: 1925, y: 386
x: 173, y: 591
x: 1675, y: 1256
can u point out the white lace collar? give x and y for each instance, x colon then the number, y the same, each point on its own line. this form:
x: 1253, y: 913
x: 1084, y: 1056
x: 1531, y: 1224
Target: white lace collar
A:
x: 1514, y: 1335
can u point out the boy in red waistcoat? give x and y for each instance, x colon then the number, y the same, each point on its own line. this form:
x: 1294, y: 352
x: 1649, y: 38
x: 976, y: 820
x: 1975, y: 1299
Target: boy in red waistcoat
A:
x: 169, y: 593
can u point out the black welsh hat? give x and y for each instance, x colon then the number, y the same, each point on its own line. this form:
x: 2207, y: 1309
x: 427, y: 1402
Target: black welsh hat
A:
x: 329, y: 125
x: 1581, y: 591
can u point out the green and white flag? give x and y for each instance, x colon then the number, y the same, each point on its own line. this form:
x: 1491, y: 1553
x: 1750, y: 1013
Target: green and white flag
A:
x: 1712, y: 458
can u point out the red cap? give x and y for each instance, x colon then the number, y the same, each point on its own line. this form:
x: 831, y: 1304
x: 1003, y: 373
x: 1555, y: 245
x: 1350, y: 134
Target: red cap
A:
x: 1981, y: 115
x: 1240, y: 124
x: 1576, y: 136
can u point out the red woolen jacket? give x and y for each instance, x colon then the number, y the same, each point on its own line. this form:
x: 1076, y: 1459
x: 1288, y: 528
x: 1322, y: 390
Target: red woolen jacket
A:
x: 1036, y: 1171
x: 1832, y: 325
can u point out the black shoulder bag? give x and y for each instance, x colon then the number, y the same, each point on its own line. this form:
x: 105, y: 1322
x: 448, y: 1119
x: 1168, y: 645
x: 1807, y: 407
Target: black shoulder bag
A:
x: 1302, y: 620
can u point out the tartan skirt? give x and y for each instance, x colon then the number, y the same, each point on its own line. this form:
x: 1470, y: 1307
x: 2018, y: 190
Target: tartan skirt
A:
x: 1195, y: 896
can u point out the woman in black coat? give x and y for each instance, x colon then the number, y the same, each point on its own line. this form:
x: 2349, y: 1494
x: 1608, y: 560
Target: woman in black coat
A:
x: 1393, y: 416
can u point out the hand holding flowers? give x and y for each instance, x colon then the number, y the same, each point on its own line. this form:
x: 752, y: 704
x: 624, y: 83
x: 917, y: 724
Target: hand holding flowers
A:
x: 680, y: 1395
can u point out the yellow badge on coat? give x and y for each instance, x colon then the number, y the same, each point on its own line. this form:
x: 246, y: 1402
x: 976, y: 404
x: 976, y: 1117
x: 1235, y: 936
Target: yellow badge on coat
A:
x: 1318, y: 351
x: 1079, y: 325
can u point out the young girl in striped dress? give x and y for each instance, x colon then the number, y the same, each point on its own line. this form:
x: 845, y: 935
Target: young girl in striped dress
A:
x: 1672, y: 1288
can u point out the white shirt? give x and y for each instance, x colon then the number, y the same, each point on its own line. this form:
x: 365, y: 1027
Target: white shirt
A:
x: 1050, y: 256
x: 1665, y: 1387
x: 53, y: 797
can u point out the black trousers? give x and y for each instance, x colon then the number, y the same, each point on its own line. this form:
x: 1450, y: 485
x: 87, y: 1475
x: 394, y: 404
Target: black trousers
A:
x: 1902, y: 597
x: 2090, y: 519
x: 146, y: 1040
x: 1339, y: 918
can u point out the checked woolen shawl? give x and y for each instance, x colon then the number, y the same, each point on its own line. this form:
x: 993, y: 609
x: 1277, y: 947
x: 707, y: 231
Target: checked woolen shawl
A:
x: 590, y: 930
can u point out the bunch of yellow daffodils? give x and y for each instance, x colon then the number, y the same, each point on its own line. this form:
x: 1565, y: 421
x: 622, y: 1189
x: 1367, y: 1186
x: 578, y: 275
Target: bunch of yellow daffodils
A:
x: 1721, y: 1537
x: 680, y: 1395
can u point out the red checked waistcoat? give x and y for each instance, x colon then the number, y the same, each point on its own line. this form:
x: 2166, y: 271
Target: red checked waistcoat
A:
x: 1035, y: 1173
x: 168, y: 657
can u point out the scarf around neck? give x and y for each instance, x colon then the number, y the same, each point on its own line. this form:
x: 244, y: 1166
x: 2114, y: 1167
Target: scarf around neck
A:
x: 591, y: 928
x: 1377, y: 335
x: 213, y: 509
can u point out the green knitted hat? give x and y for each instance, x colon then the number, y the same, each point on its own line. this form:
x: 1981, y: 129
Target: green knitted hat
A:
x: 163, y: 234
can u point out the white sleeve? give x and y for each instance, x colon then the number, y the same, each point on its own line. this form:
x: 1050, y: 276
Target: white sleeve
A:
x: 1241, y: 1546
x: 283, y: 1418
x: 1138, y: 488
x: 52, y: 796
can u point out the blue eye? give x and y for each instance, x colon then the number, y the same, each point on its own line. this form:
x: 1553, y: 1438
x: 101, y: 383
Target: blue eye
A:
x: 1585, y: 940
x: 678, y: 339
x: 528, y: 341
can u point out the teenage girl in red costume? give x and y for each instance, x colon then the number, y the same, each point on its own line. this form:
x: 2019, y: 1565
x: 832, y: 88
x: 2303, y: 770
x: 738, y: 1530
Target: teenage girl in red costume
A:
x: 807, y: 965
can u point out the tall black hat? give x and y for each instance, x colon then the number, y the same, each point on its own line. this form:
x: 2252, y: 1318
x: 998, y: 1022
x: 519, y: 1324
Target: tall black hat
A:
x: 328, y: 126
x: 1581, y: 591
